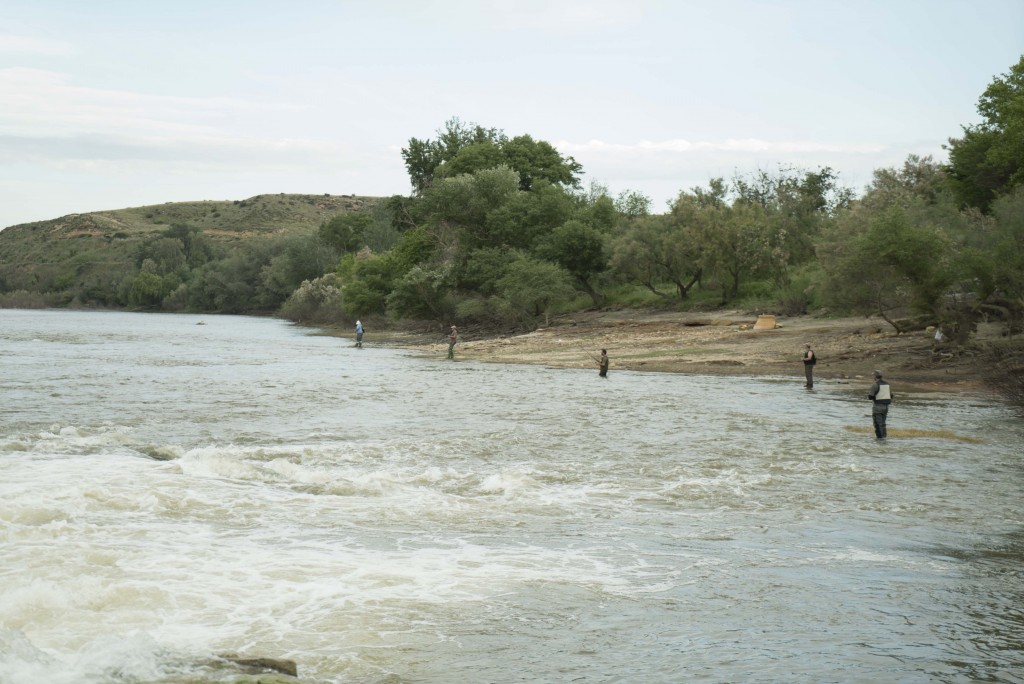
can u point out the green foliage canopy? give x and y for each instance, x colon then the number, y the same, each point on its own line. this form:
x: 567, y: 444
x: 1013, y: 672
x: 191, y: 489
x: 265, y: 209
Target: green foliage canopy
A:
x: 466, y: 148
x: 579, y: 249
x: 498, y: 228
x: 532, y: 286
x: 988, y: 159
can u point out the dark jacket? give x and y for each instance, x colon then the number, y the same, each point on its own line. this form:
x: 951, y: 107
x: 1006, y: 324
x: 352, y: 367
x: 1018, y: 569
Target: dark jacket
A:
x: 876, y: 389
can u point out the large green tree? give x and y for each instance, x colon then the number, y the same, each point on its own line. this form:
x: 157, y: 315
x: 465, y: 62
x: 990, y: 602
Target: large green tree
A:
x: 346, y: 232
x: 467, y: 199
x: 988, y: 160
x: 422, y: 157
x: 737, y: 245
x: 919, y: 179
x: 529, y: 216
x: 994, y: 261
x: 903, y: 248
x: 537, y: 160
x: 729, y: 240
x: 533, y: 286
x: 660, y: 249
x: 796, y: 205
x: 462, y: 148
x: 580, y: 249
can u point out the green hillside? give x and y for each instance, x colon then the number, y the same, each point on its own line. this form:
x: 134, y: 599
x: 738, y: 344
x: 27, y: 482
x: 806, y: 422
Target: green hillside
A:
x: 85, y: 258
x: 262, y: 215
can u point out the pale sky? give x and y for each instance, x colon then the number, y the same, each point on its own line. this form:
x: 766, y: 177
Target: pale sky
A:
x: 121, y: 103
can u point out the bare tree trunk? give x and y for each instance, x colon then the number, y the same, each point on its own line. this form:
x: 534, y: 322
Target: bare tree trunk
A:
x: 652, y: 288
x: 595, y: 296
x: 881, y: 312
x: 683, y: 289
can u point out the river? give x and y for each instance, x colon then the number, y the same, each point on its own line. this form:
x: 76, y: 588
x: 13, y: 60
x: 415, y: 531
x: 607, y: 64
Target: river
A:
x: 177, y: 486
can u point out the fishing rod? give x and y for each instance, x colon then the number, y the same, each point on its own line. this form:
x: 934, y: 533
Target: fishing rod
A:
x: 592, y: 355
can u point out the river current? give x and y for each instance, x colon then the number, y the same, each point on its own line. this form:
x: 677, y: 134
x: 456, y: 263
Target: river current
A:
x: 176, y: 486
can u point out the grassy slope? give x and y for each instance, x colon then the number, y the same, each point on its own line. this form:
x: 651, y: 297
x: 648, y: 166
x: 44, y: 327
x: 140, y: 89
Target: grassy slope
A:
x: 35, y: 252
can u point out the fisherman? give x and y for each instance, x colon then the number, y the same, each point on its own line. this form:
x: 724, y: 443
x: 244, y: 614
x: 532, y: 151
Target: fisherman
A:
x: 453, y: 337
x: 809, y: 360
x: 881, y: 396
x: 359, y: 334
x: 602, y: 364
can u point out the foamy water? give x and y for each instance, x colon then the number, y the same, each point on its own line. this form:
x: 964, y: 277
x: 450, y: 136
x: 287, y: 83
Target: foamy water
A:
x: 170, y: 491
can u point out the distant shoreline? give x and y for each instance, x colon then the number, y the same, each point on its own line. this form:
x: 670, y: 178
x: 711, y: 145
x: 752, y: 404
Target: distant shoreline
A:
x: 720, y: 343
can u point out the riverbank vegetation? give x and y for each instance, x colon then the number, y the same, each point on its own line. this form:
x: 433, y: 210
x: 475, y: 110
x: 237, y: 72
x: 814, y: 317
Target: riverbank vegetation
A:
x: 499, y: 234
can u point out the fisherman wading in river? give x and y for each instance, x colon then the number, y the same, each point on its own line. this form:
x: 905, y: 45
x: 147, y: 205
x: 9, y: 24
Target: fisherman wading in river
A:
x: 453, y: 338
x: 810, y: 358
x: 881, y: 397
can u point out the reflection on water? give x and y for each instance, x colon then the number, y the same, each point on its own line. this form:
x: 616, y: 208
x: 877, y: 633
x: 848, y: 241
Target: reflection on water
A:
x: 172, y: 490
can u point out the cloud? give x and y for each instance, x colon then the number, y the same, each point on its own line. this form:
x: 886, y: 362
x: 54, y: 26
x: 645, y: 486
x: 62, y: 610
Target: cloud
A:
x: 563, y: 17
x: 93, y: 150
x: 752, y: 145
x: 39, y: 101
x: 30, y: 45
x: 661, y: 169
x: 49, y: 119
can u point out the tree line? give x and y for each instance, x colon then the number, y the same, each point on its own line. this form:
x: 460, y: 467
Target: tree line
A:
x: 500, y: 232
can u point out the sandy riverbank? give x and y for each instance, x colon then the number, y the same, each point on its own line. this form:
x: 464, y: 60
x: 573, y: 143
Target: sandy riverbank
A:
x: 725, y: 343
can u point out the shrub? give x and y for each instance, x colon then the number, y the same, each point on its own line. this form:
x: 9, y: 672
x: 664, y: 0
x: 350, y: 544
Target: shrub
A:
x: 797, y: 297
x: 493, y: 313
x: 23, y: 299
x: 315, y: 301
x: 177, y: 300
x: 637, y: 297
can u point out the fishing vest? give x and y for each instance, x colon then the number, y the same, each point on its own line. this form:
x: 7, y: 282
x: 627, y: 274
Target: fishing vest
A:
x: 883, y: 394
